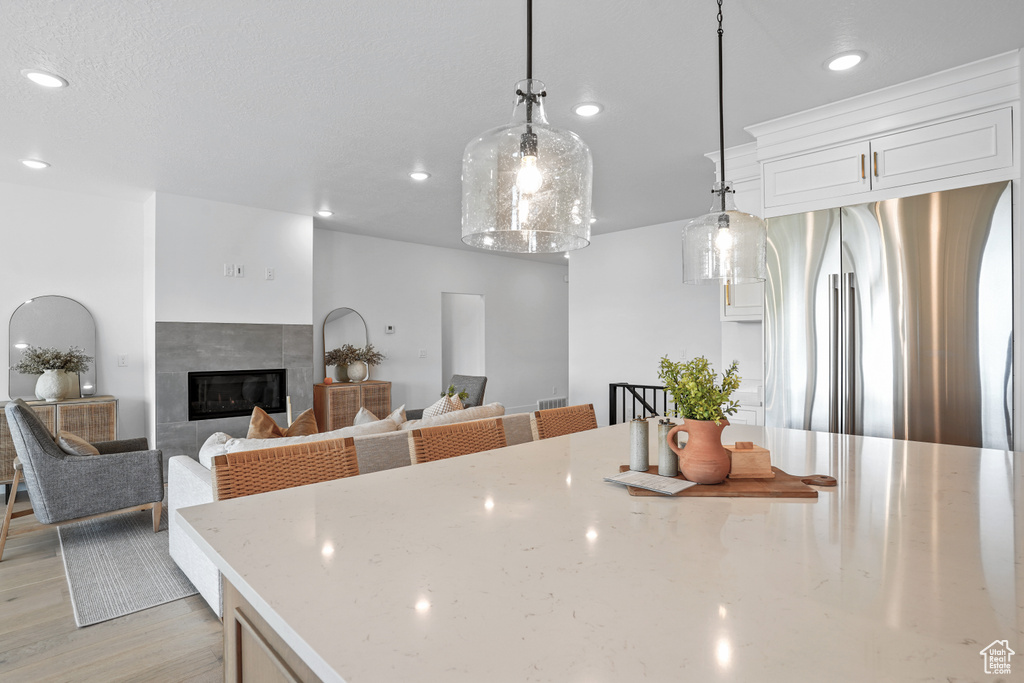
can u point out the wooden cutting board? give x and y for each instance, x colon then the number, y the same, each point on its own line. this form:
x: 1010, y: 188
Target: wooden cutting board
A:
x: 782, y: 486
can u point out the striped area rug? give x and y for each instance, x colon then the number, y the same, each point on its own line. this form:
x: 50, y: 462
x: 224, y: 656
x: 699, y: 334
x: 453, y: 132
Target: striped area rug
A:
x: 116, y: 565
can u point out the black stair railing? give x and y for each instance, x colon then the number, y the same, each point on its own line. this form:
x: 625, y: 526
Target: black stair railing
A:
x: 630, y: 401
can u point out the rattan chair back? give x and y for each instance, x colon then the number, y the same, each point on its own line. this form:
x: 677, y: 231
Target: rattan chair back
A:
x: 462, y: 438
x: 270, y: 469
x: 561, y: 421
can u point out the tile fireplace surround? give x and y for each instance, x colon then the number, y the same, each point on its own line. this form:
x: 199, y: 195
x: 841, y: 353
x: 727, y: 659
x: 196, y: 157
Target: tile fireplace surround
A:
x: 204, y: 347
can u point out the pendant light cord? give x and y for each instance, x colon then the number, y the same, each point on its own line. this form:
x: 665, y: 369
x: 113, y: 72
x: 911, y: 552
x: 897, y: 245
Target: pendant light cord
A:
x: 529, y: 39
x: 721, y: 107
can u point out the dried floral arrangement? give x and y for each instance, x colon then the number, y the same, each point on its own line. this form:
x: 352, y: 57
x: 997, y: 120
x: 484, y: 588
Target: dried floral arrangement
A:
x: 343, y: 356
x: 370, y: 355
x: 35, y: 360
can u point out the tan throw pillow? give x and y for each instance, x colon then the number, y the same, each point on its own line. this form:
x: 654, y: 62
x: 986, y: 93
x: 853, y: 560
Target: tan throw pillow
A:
x: 363, y: 417
x: 398, y: 415
x: 73, y: 444
x: 442, y: 406
x: 262, y: 426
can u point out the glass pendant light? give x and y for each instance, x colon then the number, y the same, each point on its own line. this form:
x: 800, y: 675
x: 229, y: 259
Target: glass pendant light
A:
x: 724, y: 245
x: 526, y: 186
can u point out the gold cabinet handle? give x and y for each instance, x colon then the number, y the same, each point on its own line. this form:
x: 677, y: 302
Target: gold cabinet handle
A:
x: 727, y: 301
x: 875, y: 159
x: 862, y: 176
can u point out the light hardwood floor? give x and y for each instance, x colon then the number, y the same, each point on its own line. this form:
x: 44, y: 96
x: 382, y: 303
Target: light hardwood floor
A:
x: 178, y: 641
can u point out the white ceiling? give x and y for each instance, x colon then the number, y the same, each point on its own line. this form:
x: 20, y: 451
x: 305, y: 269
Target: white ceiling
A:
x: 295, y: 106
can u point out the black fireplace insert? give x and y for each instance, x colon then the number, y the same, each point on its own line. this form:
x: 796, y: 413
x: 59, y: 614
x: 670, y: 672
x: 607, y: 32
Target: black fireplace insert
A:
x: 231, y: 393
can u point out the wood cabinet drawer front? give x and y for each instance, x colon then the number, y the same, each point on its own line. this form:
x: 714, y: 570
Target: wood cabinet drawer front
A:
x: 91, y: 421
x: 834, y: 172
x: 969, y: 145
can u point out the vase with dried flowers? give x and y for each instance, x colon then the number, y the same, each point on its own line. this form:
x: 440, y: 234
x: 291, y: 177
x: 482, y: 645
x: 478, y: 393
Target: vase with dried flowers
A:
x: 53, y: 367
x: 365, y: 358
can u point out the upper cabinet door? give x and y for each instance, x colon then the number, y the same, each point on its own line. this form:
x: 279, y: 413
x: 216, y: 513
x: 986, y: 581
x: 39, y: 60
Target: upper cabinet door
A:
x: 833, y: 172
x: 972, y: 144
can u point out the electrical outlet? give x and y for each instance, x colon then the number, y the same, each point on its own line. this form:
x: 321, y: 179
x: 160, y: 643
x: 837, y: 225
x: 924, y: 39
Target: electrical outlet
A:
x: 122, y: 360
x: 423, y: 353
x: 239, y: 270
x: 229, y: 270
x: 269, y: 275
x: 554, y: 391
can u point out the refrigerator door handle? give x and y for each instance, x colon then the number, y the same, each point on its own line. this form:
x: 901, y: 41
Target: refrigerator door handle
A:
x: 833, y: 353
x: 850, y: 355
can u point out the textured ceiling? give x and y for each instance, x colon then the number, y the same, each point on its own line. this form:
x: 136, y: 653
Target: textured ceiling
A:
x: 294, y: 106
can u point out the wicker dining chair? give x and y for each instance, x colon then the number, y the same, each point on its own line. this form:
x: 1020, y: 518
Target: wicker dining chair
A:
x: 269, y: 469
x: 461, y: 438
x: 561, y: 421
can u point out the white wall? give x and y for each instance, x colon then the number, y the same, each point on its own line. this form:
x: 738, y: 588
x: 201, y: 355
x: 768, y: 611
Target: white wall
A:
x: 463, y: 334
x: 87, y: 248
x: 196, y: 237
x: 400, y: 284
x: 628, y: 308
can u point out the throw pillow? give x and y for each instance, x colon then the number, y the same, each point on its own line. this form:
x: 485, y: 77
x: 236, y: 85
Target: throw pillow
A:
x: 73, y: 444
x: 442, y: 406
x: 262, y: 426
x: 398, y: 415
x: 363, y: 417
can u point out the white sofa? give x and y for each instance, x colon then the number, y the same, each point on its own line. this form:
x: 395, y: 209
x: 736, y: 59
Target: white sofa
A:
x: 189, y: 482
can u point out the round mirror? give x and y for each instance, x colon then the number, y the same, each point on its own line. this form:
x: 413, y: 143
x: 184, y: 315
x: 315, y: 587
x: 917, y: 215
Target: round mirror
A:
x: 54, y: 322
x: 343, y: 326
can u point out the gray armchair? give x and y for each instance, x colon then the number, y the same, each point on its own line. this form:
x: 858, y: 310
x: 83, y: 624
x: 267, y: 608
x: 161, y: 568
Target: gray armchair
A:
x: 124, y: 477
x: 474, y: 385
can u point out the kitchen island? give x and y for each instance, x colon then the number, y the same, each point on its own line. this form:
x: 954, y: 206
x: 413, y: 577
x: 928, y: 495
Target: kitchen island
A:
x: 522, y: 564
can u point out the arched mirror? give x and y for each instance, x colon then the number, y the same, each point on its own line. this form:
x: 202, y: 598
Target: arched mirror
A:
x: 343, y: 326
x: 55, y: 322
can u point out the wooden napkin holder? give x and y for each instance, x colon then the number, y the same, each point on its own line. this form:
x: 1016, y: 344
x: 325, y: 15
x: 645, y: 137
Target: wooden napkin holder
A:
x: 749, y: 461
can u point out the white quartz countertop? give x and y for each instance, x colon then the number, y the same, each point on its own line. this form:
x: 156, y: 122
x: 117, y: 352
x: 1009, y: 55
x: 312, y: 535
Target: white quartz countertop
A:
x: 523, y: 565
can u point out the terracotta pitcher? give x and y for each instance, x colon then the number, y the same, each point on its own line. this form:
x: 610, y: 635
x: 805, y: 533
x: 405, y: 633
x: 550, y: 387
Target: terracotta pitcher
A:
x: 704, y: 460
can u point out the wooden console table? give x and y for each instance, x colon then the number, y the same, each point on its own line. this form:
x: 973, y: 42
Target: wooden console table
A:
x: 94, y: 419
x: 336, y: 405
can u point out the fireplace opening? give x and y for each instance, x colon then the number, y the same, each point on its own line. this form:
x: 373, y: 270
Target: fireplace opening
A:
x: 232, y: 393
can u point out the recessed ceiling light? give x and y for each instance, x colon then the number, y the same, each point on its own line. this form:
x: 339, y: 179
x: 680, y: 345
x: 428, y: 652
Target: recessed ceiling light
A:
x: 419, y: 175
x: 844, y: 61
x: 21, y: 345
x: 325, y: 213
x: 35, y: 164
x: 588, y: 109
x: 44, y: 78
x: 566, y: 254
x: 592, y: 220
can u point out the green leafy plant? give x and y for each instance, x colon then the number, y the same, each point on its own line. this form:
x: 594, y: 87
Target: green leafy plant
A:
x: 343, y: 356
x: 36, y: 360
x: 694, y: 392
x: 450, y: 391
x: 370, y: 355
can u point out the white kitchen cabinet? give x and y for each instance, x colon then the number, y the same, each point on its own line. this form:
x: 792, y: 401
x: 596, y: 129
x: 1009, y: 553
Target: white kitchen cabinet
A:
x: 971, y: 144
x: 958, y: 147
x: 742, y: 302
x: 834, y: 172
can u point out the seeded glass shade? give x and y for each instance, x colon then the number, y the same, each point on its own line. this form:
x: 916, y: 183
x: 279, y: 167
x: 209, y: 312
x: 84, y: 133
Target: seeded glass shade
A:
x: 724, y: 246
x: 526, y: 186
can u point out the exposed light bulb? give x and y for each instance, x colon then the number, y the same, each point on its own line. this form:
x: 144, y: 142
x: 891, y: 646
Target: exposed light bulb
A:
x: 529, y: 178
x: 724, y: 240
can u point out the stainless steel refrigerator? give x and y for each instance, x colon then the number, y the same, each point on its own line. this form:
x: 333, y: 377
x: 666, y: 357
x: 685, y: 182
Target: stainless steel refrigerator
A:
x: 894, y: 319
